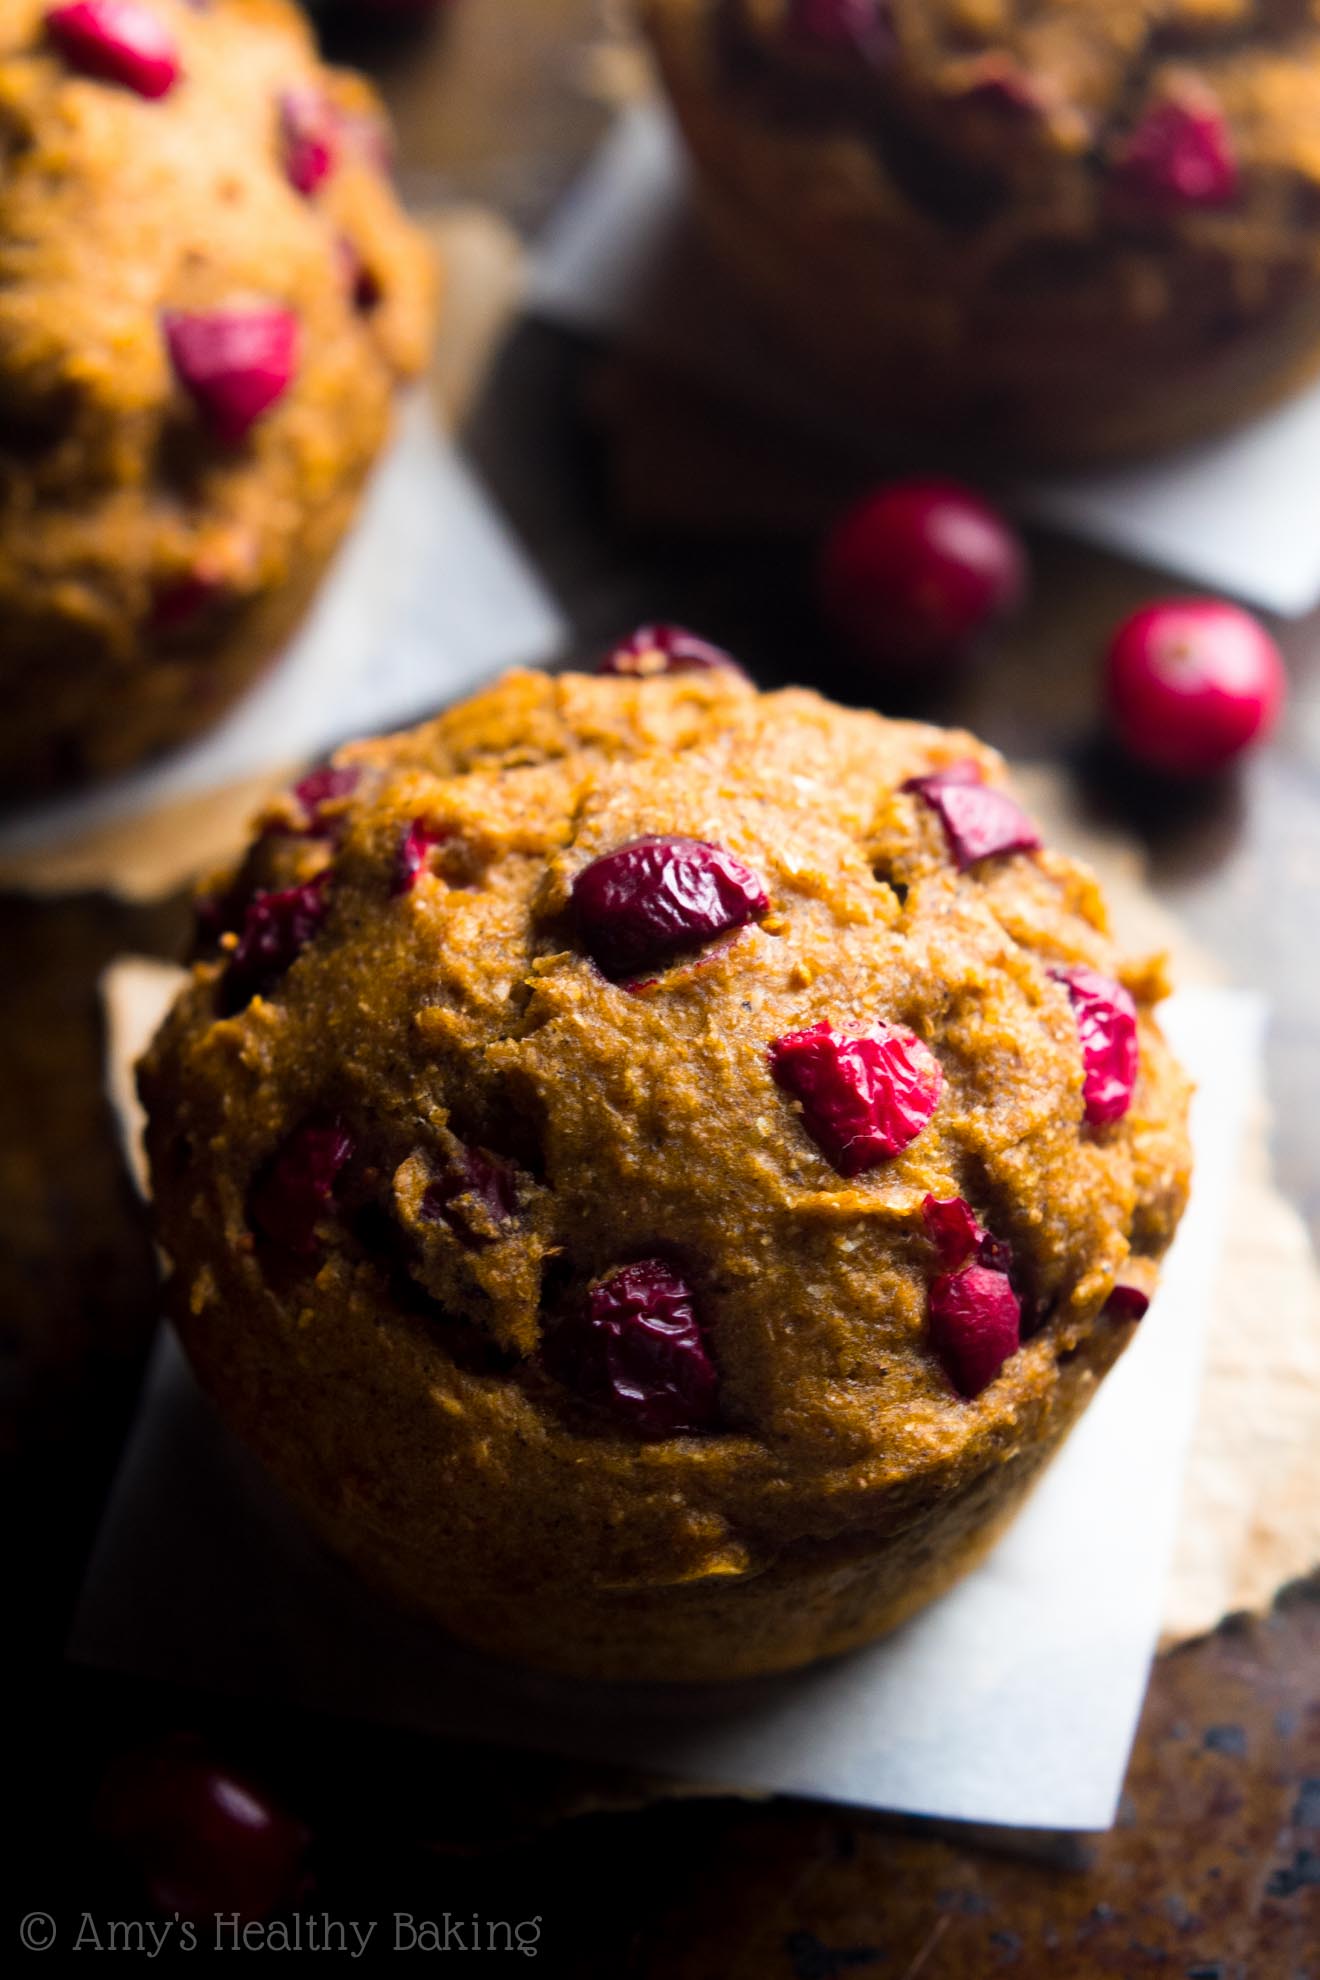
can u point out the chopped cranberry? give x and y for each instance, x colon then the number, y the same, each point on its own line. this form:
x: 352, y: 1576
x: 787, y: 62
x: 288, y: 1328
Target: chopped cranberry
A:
x: 952, y: 1229
x: 639, y: 904
x: 118, y: 41
x: 1191, y: 683
x: 475, y: 1174
x: 323, y: 786
x: 843, y: 27
x: 416, y: 842
x: 914, y: 574
x: 297, y: 1190
x: 1127, y: 1303
x: 863, y: 1099
x: 360, y: 280
x: 1181, y: 154
x: 979, y: 820
x: 276, y: 929
x: 655, y: 650
x: 235, y: 363
x: 309, y: 135
x: 975, y: 1325
x: 203, y: 1839
x: 1107, y: 1028
x: 178, y: 605
x: 637, y: 1346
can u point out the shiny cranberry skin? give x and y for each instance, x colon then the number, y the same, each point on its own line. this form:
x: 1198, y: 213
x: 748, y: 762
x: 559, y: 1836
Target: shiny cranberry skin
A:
x: 653, y: 650
x: 309, y: 137
x: 640, y: 904
x: 975, y: 1325
x: 416, y: 843
x: 297, y: 1190
x: 863, y: 1099
x: 1191, y: 683
x: 1181, y: 154
x: 1107, y: 1031
x: 477, y: 1175
x: 1127, y: 1303
x: 118, y: 41
x: 235, y: 363
x: 842, y: 27
x: 952, y: 1228
x: 637, y: 1346
x: 202, y: 1838
x: 979, y: 819
x: 277, y: 926
x: 916, y: 572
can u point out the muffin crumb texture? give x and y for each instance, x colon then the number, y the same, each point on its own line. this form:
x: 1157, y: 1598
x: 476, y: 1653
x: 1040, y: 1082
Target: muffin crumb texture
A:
x: 651, y: 1182
x: 1061, y: 228
x: 208, y: 294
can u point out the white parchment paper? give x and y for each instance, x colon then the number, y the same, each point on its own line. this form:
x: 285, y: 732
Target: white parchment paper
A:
x: 429, y: 595
x: 623, y: 257
x: 1013, y: 1700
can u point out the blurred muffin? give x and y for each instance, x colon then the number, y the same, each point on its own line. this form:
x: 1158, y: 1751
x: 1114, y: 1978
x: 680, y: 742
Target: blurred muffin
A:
x: 208, y: 294
x: 655, y: 1169
x: 1069, y: 230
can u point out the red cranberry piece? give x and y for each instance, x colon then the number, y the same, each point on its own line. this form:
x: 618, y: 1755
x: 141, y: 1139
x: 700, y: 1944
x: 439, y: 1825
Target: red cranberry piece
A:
x: 309, y: 136
x: 975, y: 1325
x: 178, y: 605
x: 979, y: 820
x: 361, y: 281
x: 1191, y: 682
x: 297, y: 1190
x: 1001, y: 86
x: 638, y: 1347
x: 916, y: 572
x: 1181, y: 154
x: 655, y: 650
x: 1107, y: 1029
x: 235, y: 363
x: 277, y: 926
x: 203, y: 1839
x: 118, y: 41
x: 863, y: 1099
x: 323, y: 786
x: 1127, y: 1303
x: 474, y: 1174
x: 842, y: 27
x: 952, y: 1229
x: 639, y: 904
x: 416, y: 843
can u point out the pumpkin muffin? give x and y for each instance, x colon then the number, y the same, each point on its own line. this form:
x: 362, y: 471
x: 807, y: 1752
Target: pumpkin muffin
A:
x: 1069, y: 229
x: 208, y: 294
x: 654, y: 1169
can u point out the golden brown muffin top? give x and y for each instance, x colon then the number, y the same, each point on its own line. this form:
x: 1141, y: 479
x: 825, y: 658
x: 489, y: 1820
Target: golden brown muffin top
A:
x: 515, y: 1125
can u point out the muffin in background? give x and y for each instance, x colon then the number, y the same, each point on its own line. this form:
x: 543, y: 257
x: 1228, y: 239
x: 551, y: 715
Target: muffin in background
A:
x: 208, y: 296
x: 1069, y: 230
x: 654, y: 1170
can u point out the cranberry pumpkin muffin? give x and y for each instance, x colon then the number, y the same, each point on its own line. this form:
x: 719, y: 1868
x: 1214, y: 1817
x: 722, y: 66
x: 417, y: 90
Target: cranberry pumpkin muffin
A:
x: 208, y: 294
x: 1067, y: 229
x: 654, y: 1169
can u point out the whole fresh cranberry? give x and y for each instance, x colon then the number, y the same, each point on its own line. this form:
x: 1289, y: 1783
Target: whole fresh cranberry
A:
x: 235, y: 363
x: 120, y: 41
x: 637, y: 1346
x: 277, y: 926
x: 975, y: 1325
x: 653, y: 650
x: 636, y: 906
x: 1191, y: 683
x: 916, y: 572
x: 864, y: 1098
x: 202, y: 1838
x: 297, y: 1189
x: 1181, y: 154
x: 979, y: 820
x: 1107, y: 1031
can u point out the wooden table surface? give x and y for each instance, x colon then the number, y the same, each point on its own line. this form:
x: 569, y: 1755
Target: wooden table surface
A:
x: 1214, y: 1868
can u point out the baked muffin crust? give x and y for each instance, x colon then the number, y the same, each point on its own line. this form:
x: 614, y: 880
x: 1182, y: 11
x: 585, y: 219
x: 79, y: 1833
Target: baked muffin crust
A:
x: 151, y: 558
x: 441, y: 1015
